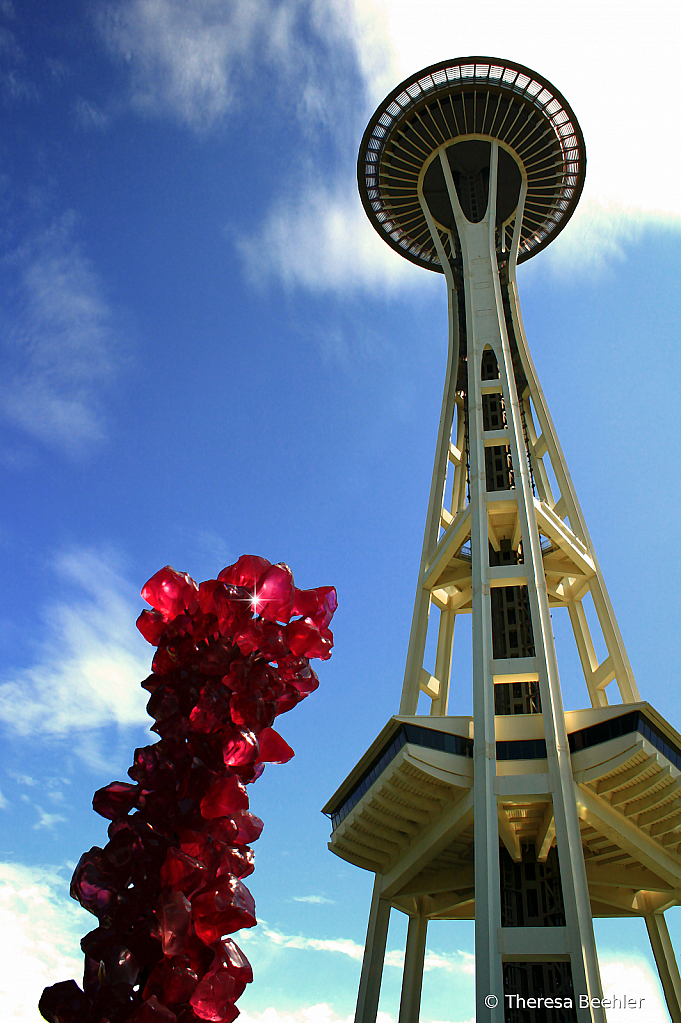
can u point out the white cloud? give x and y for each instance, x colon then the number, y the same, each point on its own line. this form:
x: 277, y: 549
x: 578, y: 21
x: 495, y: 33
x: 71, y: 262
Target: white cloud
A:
x: 89, y: 115
x: 320, y: 242
x: 4, y: 802
x: 60, y: 343
x: 47, y: 820
x: 183, y: 54
x: 597, y: 237
x: 41, y: 928
x: 87, y: 670
x: 323, y: 241
x: 195, y: 60
x: 462, y: 962
x: 316, y: 900
x: 632, y: 979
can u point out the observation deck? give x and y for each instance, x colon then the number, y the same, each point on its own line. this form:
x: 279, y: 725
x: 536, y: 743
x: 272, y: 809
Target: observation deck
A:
x: 476, y: 99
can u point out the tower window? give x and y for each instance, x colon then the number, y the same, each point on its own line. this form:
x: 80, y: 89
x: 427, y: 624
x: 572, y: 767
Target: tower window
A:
x: 489, y: 369
x: 493, y: 412
x: 498, y: 469
x: 516, y: 698
x: 531, y: 892
x: 512, y: 634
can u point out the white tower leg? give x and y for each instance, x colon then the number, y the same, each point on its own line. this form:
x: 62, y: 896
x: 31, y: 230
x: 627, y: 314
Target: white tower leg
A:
x: 374, y: 956
x: 666, y: 963
x: 410, y: 1002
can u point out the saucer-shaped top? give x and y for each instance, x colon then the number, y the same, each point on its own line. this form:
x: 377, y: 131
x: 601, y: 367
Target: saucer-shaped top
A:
x: 470, y: 98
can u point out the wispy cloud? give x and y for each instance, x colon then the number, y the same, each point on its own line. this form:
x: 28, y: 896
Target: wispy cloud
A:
x: 597, y: 237
x: 4, y: 802
x: 60, y: 342
x: 195, y: 60
x: 316, y: 900
x: 184, y: 55
x: 89, y: 115
x: 41, y: 928
x: 47, y: 820
x: 459, y: 962
x: 15, y: 85
x: 323, y: 241
x: 87, y: 670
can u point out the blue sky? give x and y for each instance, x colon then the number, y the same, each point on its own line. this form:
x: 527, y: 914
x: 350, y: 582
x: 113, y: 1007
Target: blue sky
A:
x: 207, y: 351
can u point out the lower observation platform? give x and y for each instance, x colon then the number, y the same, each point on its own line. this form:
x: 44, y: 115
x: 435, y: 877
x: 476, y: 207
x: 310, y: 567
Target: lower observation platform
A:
x: 406, y: 812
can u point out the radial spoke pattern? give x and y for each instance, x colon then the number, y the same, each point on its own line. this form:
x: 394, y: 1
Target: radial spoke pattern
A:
x: 455, y: 100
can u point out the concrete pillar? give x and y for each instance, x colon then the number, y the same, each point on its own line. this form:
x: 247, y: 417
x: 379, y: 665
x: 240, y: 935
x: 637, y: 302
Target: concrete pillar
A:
x: 666, y: 963
x: 374, y: 954
x: 412, y: 978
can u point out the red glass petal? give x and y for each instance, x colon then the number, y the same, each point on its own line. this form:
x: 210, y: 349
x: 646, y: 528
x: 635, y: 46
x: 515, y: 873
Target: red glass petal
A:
x: 273, y: 596
x: 240, y: 747
x: 224, y: 797
x: 151, y: 624
x: 226, y: 829
x: 171, y: 592
x: 250, y: 828
x: 173, y: 916
x: 151, y: 768
x: 251, y: 711
x: 229, y: 956
x: 215, y: 996
x: 273, y: 749
x: 226, y: 907
x: 245, y: 572
x: 115, y: 800
x: 172, y: 981
x: 182, y: 873
x: 237, y: 860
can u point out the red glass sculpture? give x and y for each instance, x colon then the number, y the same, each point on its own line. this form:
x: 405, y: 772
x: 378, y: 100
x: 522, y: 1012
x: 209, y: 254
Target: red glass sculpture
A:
x: 167, y: 888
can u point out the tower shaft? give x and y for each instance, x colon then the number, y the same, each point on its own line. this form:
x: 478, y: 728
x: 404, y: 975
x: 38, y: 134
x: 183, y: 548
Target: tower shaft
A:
x: 525, y: 817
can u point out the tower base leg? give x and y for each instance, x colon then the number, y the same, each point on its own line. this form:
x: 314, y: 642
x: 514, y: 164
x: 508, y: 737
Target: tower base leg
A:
x: 374, y: 955
x: 410, y: 1002
x: 666, y: 963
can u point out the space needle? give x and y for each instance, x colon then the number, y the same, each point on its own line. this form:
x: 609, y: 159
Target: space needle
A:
x: 526, y: 817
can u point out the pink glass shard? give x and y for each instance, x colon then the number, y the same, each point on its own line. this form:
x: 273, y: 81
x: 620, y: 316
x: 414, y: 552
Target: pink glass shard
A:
x: 172, y: 981
x: 228, y: 956
x: 225, y: 796
x: 182, y: 873
x: 237, y: 860
x: 226, y: 907
x: 250, y: 710
x: 151, y: 624
x: 240, y: 748
x: 273, y: 596
x: 273, y: 749
x: 225, y: 829
x: 250, y: 828
x: 115, y: 800
x: 215, y: 996
x: 171, y: 592
x: 245, y: 572
x: 173, y: 915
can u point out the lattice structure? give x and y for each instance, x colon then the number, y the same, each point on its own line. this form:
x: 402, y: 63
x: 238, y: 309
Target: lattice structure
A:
x: 527, y: 818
